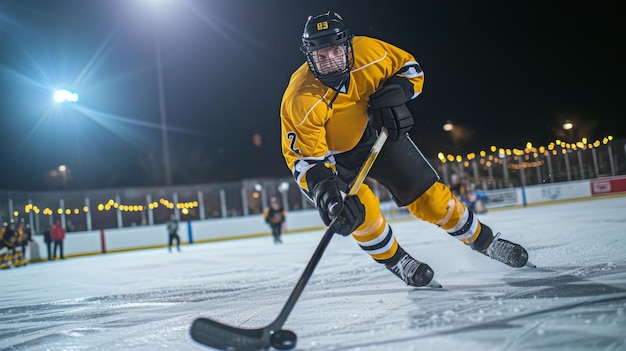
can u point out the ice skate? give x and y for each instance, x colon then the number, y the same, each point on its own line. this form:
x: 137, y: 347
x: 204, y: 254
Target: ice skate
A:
x: 412, y: 271
x: 509, y: 253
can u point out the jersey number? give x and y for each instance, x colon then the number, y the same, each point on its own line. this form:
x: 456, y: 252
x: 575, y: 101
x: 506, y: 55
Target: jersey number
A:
x: 292, y: 142
x: 322, y: 25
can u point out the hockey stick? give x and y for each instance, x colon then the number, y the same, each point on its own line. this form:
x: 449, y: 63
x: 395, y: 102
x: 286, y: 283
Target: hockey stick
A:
x: 225, y: 337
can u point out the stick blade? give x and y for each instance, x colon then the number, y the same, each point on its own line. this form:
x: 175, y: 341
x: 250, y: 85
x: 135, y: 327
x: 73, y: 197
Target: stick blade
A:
x: 224, y: 337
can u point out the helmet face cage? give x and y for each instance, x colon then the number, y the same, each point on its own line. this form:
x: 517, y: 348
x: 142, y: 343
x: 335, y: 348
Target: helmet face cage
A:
x: 326, y: 31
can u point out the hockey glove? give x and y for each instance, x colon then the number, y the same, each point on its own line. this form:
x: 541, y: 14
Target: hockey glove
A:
x: 350, y: 212
x: 387, y: 107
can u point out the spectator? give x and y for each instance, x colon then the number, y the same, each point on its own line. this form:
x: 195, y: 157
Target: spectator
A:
x: 24, y: 237
x: 456, y: 186
x: 48, y: 241
x: 57, y: 234
x: 275, y: 216
x: 475, y: 198
x: 69, y: 227
x: 7, y: 245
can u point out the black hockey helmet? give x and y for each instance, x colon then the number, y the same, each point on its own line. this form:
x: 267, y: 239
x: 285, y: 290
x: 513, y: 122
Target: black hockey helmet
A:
x: 322, y: 31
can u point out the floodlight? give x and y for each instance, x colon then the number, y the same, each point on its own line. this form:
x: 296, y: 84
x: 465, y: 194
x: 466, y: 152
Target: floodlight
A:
x: 63, y: 95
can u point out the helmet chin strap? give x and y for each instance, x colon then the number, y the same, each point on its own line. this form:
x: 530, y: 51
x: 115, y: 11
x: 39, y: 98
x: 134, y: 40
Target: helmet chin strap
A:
x: 335, y: 81
x: 338, y: 87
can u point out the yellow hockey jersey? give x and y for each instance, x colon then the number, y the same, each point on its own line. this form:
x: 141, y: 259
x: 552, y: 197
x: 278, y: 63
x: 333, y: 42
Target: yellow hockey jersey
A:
x: 316, y: 124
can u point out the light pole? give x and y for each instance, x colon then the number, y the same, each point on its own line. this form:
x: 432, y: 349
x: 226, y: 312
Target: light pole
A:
x: 164, y: 136
x: 62, y: 96
x: 157, y: 9
x: 63, y: 172
x: 569, y: 127
x: 283, y: 189
x: 455, y: 135
x: 449, y: 127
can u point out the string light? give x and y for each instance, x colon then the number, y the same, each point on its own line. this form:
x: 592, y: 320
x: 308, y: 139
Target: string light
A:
x: 497, y: 153
x: 112, y: 205
x: 526, y: 153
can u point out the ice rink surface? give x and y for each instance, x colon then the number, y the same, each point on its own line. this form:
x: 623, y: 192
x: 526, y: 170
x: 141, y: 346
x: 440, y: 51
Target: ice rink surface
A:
x: 147, y: 300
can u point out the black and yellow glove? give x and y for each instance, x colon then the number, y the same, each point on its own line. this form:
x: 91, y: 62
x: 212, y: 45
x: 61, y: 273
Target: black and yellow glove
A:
x: 387, y: 107
x: 349, y: 211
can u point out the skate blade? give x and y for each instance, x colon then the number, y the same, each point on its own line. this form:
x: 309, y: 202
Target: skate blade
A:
x: 434, y: 284
x: 530, y: 264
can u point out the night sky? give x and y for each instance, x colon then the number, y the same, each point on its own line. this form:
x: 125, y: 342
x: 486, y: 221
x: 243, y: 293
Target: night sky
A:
x: 508, y: 72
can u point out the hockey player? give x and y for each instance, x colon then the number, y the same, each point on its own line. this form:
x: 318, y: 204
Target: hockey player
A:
x: 172, y: 232
x: 275, y: 215
x: 333, y: 107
